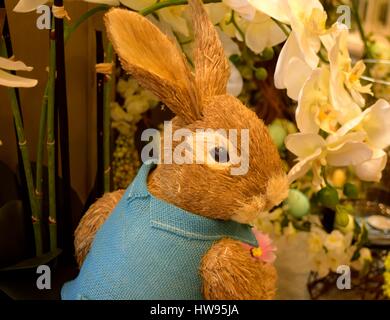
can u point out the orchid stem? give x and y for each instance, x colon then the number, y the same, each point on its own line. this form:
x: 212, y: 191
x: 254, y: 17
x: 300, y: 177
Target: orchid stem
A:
x: 282, y: 26
x: 40, y: 149
x: 69, y: 30
x: 22, y: 143
x: 51, y: 144
x: 170, y: 3
x: 355, y: 9
x: 234, y: 22
x: 106, y: 123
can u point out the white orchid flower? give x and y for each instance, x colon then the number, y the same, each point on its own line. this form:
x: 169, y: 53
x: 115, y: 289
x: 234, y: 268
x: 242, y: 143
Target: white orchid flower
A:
x: 315, y: 110
x: 9, y: 80
x: 299, y: 56
x: 261, y: 32
x: 175, y: 18
x: 242, y: 7
x: 217, y: 12
x: 235, y: 83
x: 308, y: 23
x: 291, y: 69
x: 371, y: 170
x: 277, y: 9
x: 346, y: 90
x: 374, y: 122
x: 307, y: 19
x: 313, y: 152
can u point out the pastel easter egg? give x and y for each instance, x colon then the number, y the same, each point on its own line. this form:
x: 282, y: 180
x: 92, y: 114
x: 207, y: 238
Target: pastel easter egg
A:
x: 278, y: 134
x: 298, y: 204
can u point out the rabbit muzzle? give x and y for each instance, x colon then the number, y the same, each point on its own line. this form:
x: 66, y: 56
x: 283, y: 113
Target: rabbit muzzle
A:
x: 276, y: 192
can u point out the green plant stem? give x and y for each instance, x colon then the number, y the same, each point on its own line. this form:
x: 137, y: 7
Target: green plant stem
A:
x: 51, y: 146
x: 234, y: 22
x: 107, y: 122
x: 40, y: 149
x: 282, y: 26
x: 324, y: 175
x: 355, y: 10
x: 322, y: 58
x: 70, y: 29
x: 170, y: 3
x: 22, y: 142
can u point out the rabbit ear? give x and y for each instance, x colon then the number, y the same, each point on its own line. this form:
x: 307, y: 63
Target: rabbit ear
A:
x: 154, y: 60
x: 211, y: 66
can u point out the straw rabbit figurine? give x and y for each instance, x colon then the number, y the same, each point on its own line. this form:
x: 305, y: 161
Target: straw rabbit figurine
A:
x: 180, y: 231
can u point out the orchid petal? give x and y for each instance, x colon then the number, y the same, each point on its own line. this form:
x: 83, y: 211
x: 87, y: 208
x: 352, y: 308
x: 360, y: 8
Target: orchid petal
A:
x: 291, y: 70
x: 376, y: 124
x: 9, y: 64
x: 262, y: 33
x: 351, y: 124
x: 277, y: 9
x: 107, y: 2
x: 304, y: 144
x: 229, y: 46
x: 235, y: 83
x: 290, y: 49
x: 28, y: 5
x: 217, y: 12
x: 10, y: 80
x: 242, y: 7
x: 371, y: 170
x: 132, y: 4
x: 350, y: 153
x: 303, y: 166
x: 335, y: 142
x: 172, y: 15
x: 307, y: 110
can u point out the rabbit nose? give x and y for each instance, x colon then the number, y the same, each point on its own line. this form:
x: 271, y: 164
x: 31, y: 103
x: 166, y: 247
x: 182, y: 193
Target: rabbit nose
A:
x: 277, y: 191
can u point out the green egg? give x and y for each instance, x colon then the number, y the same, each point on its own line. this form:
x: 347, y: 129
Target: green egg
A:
x: 342, y: 216
x: 278, y: 134
x: 298, y: 204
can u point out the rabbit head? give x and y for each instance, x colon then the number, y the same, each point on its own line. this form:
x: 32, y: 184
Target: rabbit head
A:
x: 200, y: 101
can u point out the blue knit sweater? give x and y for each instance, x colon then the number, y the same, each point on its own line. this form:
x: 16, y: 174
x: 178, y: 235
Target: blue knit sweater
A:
x: 149, y: 249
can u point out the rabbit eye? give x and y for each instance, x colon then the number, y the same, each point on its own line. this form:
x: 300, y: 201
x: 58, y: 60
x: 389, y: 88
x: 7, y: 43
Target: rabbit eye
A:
x: 220, y: 155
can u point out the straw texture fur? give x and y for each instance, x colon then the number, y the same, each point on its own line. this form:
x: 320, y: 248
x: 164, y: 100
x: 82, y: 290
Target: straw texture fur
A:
x: 154, y: 60
x: 229, y: 272
x: 91, y: 222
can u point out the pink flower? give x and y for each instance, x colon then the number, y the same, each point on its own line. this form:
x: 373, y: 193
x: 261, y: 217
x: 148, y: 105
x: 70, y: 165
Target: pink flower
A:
x: 265, y: 251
